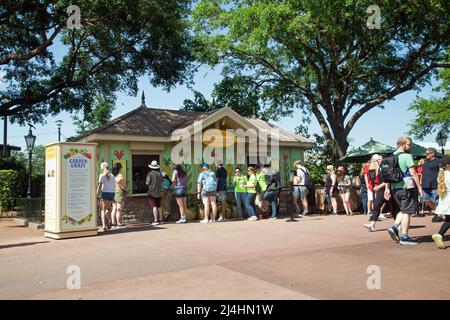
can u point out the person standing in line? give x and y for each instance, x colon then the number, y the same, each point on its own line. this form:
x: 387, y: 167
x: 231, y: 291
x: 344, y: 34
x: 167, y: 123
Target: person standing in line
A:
x: 303, y: 190
x: 429, y: 179
x: 404, y: 193
x: 180, y: 179
x: 331, y: 188
x: 154, y: 182
x: 344, y: 187
x: 369, y: 175
x: 443, y: 208
x: 221, y: 176
x: 240, y: 190
x: 106, y: 185
x: 119, y: 197
x: 273, y: 189
x: 296, y: 184
x: 364, y: 196
x: 166, y: 196
x: 251, y: 194
x: 207, y: 192
x: 260, y: 190
x: 326, y: 195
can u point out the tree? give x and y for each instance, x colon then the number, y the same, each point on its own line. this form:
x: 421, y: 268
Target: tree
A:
x: 100, y: 115
x: 239, y: 93
x: 432, y: 114
x: 321, y: 57
x: 118, y: 42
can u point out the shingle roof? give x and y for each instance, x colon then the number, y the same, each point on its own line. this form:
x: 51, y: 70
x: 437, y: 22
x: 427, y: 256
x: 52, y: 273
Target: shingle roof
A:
x: 148, y: 122
x: 162, y: 122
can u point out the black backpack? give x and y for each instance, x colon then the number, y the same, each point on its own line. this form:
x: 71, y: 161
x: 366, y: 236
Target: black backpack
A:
x: 372, y: 176
x: 308, y: 180
x: 390, y: 171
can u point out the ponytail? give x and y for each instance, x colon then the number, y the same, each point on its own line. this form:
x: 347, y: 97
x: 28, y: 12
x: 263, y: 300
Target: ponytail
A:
x: 441, y: 189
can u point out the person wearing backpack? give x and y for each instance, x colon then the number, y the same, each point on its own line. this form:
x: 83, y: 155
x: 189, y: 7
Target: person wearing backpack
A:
x: 273, y: 189
x: 207, y: 192
x: 305, y: 185
x: 399, y: 173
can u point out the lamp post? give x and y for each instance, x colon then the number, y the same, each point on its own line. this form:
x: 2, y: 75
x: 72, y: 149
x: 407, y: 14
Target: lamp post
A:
x: 59, y: 124
x: 29, y: 140
x: 441, y: 139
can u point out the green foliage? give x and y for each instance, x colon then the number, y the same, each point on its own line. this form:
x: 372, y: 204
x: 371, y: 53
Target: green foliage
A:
x: 432, y: 114
x: 118, y: 42
x: 98, y: 116
x: 16, y: 164
x: 8, y: 186
x: 319, y: 56
x: 239, y: 93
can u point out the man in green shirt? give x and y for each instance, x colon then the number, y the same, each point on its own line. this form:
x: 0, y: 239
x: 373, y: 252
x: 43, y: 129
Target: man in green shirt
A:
x: 404, y: 193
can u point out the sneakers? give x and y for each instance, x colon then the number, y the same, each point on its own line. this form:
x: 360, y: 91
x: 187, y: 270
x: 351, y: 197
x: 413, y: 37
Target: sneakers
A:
x: 407, y: 240
x: 252, y: 218
x: 437, y: 238
x: 182, y: 220
x: 155, y: 223
x: 204, y: 221
x: 393, y: 232
x: 369, y: 226
x: 381, y: 216
x: 306, y: 213
x: 334, y: 213
x: 274, y: 218
x: 220, y: 219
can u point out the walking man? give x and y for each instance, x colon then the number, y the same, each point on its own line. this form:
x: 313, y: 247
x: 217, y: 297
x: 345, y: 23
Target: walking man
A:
x: 404, y: 193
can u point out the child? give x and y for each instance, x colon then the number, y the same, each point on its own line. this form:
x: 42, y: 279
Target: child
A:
x: 443, y: 207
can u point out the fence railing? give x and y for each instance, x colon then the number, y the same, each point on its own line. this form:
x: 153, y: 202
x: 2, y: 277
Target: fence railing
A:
x: 31, y: 209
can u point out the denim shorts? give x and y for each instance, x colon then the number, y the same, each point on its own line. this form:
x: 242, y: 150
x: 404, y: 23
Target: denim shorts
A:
x: 108, y: 196
x: 180, y: 192
x: 430, y: 194
x: 300, y: 191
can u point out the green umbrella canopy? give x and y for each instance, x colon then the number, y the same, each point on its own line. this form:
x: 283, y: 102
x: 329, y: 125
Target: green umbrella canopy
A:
x: 365, y: 152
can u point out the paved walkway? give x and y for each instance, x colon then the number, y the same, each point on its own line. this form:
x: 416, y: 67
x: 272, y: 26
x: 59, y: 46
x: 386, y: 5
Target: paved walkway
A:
x: 316, y: 258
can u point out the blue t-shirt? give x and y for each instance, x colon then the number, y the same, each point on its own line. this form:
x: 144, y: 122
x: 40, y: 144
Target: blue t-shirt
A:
x: 221, y: 174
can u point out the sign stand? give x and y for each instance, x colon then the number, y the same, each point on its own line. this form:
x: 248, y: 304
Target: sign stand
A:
x: 70, y: 190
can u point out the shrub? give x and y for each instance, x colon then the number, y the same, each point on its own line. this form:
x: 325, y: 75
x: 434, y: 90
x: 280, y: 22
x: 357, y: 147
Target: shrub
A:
x: 8, y: 188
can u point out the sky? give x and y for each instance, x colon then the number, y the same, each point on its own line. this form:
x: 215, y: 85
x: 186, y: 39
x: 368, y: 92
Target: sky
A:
x: 381, y: 125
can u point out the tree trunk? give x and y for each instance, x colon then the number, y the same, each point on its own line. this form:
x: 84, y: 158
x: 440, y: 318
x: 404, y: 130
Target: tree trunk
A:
x: 339, y: 142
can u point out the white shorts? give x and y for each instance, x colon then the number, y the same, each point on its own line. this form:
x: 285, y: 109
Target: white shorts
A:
x: 369, y: 195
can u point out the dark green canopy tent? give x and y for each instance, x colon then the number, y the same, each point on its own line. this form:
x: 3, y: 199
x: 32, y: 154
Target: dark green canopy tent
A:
x: 365, y: 152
